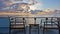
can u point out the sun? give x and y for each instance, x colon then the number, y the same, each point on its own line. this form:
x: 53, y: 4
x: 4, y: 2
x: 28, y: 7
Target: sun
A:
x: 36, y: 7
x: 32, y: 7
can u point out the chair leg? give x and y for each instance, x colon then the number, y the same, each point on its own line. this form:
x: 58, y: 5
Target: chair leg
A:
x: 29, y: 29
x: 24, y: 31
x: 43, y: 30
x: 38, y: 29
x: 59, y: 31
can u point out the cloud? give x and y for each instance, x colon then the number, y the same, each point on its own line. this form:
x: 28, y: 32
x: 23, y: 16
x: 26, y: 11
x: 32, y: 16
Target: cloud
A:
x: 7, y: 3
x: 16, y: 1
x: 36, y: 7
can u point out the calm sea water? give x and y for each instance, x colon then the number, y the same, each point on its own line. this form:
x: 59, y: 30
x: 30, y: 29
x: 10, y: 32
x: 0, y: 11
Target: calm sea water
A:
x: 5, y: 24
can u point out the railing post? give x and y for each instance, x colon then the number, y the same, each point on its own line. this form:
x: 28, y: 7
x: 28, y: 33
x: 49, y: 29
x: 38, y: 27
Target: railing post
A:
x: 35, y: 20
x: 59, y: 27
x: 9, y: 26
x: 24, y: 25
x: 45, y: 24
x: 51, y: 21
x: 58, y: 24
x: 46, y: 21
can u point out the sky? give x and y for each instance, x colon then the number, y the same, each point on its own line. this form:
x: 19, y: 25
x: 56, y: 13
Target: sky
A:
x: 48, y: 4
x: 53, y: 4
x: 41, y: 5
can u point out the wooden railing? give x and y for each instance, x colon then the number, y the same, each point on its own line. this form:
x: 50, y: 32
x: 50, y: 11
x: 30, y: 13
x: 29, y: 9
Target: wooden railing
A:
x: 46, y: 23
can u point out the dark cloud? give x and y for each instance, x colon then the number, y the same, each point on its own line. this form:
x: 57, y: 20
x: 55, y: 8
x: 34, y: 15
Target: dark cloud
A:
x: 2, y: 4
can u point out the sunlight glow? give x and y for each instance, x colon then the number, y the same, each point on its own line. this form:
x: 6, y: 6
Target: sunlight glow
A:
x: 36, y: 7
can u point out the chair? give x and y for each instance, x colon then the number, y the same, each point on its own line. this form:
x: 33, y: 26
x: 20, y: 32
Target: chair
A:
x: 17, y: 25
x: 53, y: 25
